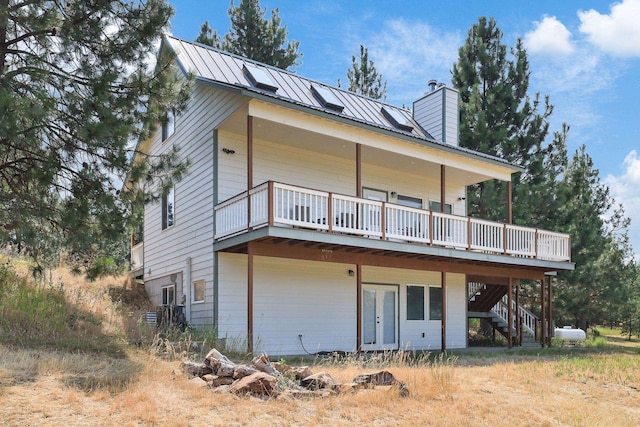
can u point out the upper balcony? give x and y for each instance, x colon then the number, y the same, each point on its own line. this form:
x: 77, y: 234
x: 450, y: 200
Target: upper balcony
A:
x: 283, y: 205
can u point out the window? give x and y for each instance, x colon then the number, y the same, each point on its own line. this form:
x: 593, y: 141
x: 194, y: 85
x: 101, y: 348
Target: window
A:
x: 373, y: 194
x: 168, y: 209
x: 435, y: 303
x: 259, y: 77
x: 410, y: 202
x: 198, y: 291
x: 168, y: 124
x: 169, y: 295
x: 435, y: 206
x: 397, y: 119
x: 415, y: 302
x: 327, y: 98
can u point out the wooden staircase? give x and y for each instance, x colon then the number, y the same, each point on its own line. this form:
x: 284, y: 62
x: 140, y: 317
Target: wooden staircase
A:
x: 490, y: 303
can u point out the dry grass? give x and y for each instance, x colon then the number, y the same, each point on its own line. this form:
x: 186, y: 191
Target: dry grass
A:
x: 551, y: 387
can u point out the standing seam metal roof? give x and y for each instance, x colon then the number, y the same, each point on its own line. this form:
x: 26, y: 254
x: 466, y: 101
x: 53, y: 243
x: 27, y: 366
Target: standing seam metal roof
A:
x: 210, y: 64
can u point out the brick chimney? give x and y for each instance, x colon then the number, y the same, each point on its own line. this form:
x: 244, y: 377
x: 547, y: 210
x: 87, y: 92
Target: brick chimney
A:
x: 437, y: 112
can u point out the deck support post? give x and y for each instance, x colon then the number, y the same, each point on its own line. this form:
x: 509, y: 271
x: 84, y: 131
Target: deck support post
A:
x: 510, y: 312
x: 250, y: 298
x: 249, y: 167
x: 442, y: 187
x: 549, y: 309
x: 543, y: 320
x: 443, y: 276
x: 518, y: 315
x: 358, y: 170
x: 358, y: 308
x: 509, y: 203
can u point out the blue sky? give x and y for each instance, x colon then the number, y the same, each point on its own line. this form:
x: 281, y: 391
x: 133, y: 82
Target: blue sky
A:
x: 584, y: 54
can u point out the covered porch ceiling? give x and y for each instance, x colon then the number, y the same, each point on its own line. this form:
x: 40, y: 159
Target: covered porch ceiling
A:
x: 330, y: 145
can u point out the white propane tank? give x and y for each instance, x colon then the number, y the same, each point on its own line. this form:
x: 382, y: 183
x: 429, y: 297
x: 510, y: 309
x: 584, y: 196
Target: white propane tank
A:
x: 569, y: 334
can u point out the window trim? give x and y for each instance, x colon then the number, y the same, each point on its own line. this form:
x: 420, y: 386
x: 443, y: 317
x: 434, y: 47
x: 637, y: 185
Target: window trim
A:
x: 193, y: 291
x: 424, y: 305
x: 440, y: 302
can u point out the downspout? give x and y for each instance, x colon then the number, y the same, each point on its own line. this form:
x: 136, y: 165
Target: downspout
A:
x: 187, y: 304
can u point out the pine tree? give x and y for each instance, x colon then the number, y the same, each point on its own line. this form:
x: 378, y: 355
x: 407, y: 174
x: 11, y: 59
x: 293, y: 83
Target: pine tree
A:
x: 75, y: 91
x: 364, y: 78
x: 497, y: 116
x: 253, y: 36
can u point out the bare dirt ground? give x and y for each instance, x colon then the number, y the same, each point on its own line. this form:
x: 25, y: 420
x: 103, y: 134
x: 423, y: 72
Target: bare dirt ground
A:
x: 566, y: 387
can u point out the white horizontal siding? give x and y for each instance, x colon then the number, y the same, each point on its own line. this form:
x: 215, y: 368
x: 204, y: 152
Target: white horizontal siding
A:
x: 313, y: 299
x: 232, y: 299
x: 428, y: 112
x: 166, y: 251
x: 407, y: 184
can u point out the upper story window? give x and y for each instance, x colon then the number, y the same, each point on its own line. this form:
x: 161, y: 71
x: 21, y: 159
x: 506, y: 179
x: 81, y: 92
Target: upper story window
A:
x: 168, y: 208
x: 435, y: 206
x: 410, y: 202
x: 168, y: 124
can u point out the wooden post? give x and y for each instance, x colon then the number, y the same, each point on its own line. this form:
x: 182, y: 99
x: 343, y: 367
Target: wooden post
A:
x: 442, y: 187
x: 550, y: 317
x: 443, y: 276
x: 509, y: 203
x: 510, y: 312
x: 358, y: 307
x: 250, y: 298
x: 543, y: 335
x: 271, y: 195
x: 518, y: 316
x: 358, y: 170
x: 249, y: 167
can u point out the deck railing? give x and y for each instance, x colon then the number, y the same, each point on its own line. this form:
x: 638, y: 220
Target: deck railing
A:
x: 277, y: 204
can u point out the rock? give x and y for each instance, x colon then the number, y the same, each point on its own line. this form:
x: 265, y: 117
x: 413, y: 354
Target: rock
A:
x: 217, y: 381
x: 209, y: 377
x: 297, y: 372
x: 381, y: 379
x: 262, y: 364
x: 259, y: 383
x: 195, y: 369
x: 242, y: 371
x: 321, y: 380
x: 222, y: 389
x: 350, y: 387
x: 375, y: 378
x: 226, y: 370
x: 198, y: 382
x: 215, y: 359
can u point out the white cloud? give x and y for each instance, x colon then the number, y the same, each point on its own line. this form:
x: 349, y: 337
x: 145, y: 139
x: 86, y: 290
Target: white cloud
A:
x: 549, y: 37
x: 624, y: 189
x: 409, y: 54
x: 617, y: 33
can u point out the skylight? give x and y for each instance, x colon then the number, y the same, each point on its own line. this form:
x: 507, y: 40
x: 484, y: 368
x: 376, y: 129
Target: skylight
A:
x: 327, y: 98
x: 396, y: 119
x: 259, y: 78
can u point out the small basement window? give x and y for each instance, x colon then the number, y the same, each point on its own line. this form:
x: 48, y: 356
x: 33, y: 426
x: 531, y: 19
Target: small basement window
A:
x: 327, y: 98
x: 198, y: 291
x: 396, y: 118
x: 259, y: 77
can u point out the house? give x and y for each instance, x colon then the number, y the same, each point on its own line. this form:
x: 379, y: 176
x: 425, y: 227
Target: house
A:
x: 314, y: 219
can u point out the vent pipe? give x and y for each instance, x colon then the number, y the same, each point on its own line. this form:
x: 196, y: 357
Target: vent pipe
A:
x: 432, y: 84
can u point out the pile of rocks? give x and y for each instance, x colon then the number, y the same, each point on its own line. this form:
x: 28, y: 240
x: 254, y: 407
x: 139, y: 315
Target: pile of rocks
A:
x: 273, y: 379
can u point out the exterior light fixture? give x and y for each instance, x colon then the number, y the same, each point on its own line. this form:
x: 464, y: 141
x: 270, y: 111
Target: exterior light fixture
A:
x: 228, y: 151
x: 352, y: 273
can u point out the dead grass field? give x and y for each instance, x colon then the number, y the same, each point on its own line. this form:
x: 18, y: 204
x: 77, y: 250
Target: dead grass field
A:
x: 551, y: 387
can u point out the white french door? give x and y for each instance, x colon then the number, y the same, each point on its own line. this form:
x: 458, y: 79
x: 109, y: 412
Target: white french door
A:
x: 379, y: 317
